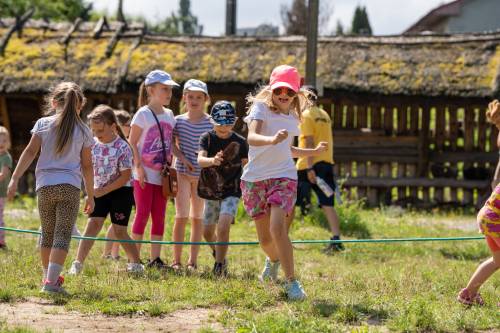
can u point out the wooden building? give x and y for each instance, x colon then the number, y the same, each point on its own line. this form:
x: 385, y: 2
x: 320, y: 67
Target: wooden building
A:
x: 408, y: 111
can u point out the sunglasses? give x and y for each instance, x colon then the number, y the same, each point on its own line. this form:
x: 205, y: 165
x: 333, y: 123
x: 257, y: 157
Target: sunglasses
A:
x: 283, y: 90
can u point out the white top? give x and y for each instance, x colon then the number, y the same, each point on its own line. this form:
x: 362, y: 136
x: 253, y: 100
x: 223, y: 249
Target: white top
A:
x: 149, y: 145
x: 271, y: 161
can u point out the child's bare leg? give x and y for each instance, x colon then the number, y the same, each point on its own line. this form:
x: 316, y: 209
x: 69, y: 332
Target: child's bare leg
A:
x: 130, y: 248
x: 115, y: 250
x: 108, y: 247
x: 279, y: 234
x: 196, y: 234
x: 223, y: 236
x: 178, y: 236
x: 94, y: 225
x: 483, y: 272
x: 209, y: 234
x: 265, y: 240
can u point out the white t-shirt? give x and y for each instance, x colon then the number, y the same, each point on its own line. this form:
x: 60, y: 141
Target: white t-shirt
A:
x: 149, y: 146
x: 271, y: 161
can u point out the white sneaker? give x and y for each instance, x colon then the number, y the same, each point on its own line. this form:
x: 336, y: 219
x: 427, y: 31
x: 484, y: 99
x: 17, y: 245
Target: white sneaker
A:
x: 133, y: 267
x: 270, y: 271
x: 76, y: 268
x: 294, y: 291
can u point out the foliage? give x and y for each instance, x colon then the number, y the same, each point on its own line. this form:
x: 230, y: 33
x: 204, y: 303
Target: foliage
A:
x: 295, y: 18
x: 55, y: 10
x: 339, y: 30
x: 182, y: 23
x: 360, y: 23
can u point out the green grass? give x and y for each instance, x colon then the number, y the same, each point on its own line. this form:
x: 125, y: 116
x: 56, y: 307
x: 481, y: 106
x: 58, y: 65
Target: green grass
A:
x: 369, y: 287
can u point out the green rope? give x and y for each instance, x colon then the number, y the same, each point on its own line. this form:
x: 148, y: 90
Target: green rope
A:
x: 327, y: 241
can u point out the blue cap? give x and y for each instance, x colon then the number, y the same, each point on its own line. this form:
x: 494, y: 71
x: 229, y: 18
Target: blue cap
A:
x: 223, y: 113
x: 195, y: 85
x: 159, y: 76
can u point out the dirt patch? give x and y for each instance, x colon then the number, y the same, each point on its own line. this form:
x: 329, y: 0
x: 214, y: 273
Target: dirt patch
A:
x: 41, y: 315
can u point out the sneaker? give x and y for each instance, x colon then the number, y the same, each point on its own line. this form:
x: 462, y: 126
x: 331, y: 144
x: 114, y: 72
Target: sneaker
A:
x: 466, y: 298
x: 334, y: 247
x: 270, y: 271
x: 76, y: 268
x: 134, y: 267
x: 156, y: 263
x: 220, y: 269
x: 294, y: 291
x: 54, y: 288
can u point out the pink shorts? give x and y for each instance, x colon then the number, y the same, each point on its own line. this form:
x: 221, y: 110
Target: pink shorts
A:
x: 259, y: 196
x: 493, y: 243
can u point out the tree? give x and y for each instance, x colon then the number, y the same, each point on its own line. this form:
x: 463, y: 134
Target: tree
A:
x: 295, y: 17
x: 339, y: 30
x: 184, y: 23
x: 55, y: 10
x: 360, y: 23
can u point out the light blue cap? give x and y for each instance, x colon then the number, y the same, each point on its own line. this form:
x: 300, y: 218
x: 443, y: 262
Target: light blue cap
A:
x: 195, y: 85
x: 159, y: 76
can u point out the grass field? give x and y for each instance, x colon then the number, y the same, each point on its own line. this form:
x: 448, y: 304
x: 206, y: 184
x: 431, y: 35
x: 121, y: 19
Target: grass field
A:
x: 367, y: 288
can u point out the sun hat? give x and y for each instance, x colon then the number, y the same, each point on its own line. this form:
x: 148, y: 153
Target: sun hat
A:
x: 285, y: 76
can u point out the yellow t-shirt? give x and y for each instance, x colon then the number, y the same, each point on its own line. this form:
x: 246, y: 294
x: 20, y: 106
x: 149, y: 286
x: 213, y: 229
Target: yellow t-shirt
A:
x: 316, y: 123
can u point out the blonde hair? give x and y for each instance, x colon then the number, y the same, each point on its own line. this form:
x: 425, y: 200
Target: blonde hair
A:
x: 69, y: 99
x: 5, y: 131
x: 123, y: 117
x: 105, y: 114
x: 265, y: 95
x: 493, y: 112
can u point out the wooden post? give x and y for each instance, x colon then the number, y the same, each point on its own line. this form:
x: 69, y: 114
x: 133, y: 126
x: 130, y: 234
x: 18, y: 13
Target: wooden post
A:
x: 230, y: 17
x: 312, y: 41
x: 468, y: 146
x: 453, y: 137
x: 439, y: 140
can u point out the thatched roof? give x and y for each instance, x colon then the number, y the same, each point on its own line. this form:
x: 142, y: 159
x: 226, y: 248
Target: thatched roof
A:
x: 458, y: 65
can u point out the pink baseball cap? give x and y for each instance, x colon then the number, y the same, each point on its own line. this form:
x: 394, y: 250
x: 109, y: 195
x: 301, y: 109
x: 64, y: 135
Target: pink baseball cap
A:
x: 285, y: 76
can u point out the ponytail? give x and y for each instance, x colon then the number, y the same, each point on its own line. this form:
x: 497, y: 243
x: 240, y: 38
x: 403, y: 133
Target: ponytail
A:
x: 143, y: 96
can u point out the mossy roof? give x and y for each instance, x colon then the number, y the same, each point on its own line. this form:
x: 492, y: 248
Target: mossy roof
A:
x: 456, y: 65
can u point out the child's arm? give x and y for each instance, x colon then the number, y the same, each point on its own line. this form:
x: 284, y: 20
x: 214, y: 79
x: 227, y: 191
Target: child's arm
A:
x: 119, y: 182
x: 306, y: 152
x: 5, y: 172
x: 135, y: 135
x: 27, y: 157
x: 256, y: 139
x: 206, y: 162
x: 178, y: 153
x: 244, y: 162
x: 88, y: 179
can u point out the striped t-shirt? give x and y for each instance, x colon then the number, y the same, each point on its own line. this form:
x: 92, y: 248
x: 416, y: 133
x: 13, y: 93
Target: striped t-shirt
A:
x: 188, y: 135
x: 490, y: 214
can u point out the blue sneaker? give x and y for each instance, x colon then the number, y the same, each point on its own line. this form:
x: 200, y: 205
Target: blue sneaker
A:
x: 270, y: 271
x: 294, y: 291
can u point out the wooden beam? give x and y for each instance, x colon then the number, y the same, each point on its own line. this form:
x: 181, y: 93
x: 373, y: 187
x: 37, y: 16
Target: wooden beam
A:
x: 417, y: 182
x: 18, y: 25
x: 114, y: 40
x: 100, y: 26
x: 74, y: 27
x: 462, y: 156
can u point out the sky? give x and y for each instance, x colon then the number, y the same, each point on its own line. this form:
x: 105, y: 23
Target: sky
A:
x: 387, y: 17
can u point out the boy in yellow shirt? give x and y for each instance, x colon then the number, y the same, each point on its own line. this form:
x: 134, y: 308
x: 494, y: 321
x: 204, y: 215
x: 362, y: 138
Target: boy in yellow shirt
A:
x: 316, y: 127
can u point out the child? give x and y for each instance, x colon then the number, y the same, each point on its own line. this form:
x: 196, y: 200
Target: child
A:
x: 222, y: 154
x: 269, y: 180
x: 146, y: 141
x: 188, y: 129
x: 64, y: 142
x: 112, y: 249
x: 5, y: 169
x: 112, y: 161
x: 488, y: 221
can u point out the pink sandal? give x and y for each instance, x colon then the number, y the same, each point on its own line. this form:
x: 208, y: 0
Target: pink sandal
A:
x: 466, y: 298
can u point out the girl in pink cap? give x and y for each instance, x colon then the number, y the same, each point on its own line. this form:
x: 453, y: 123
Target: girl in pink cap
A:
x: 269, y: 180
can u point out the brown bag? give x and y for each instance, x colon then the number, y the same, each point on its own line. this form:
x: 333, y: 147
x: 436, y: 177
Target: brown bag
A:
x: 168, y: 174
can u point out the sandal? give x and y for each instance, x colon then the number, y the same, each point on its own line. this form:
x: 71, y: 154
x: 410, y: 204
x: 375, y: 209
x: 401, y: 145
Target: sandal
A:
x: 176, y: 266
x: 192, y: 267
x: 466, y: 298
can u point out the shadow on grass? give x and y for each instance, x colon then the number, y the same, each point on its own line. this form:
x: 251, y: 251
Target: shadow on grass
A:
x: 350, y: 314
x: 470, y: 253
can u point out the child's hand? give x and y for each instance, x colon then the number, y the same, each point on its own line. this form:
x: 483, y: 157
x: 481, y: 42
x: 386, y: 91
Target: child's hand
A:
x: 141, y: 175
x: 493, y: 106
x: 321, y: 147
x: 280, y: 136
x: 188, y: 165
x: 11, y: 190
x: 89, y: 205
x: 217, y: 159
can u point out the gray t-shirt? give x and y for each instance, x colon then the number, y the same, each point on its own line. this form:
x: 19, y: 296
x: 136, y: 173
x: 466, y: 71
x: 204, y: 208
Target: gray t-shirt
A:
x: 53, y: 169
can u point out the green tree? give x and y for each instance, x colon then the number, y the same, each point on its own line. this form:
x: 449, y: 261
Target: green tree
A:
x: 295, y: 19
x: 339, y: 30
x: 360, y: 22
x: 55, y: 10
x: 182, y: 23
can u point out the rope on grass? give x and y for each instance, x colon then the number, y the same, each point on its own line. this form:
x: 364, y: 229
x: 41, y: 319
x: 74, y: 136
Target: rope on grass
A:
x: 310, y: 241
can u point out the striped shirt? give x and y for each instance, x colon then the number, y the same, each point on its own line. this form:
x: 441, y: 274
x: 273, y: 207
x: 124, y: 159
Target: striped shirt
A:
x: 188, y: 136
x: 490, y: 214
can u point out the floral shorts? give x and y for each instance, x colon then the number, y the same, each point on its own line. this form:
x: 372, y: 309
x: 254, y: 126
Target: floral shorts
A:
x: 259, y: 196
